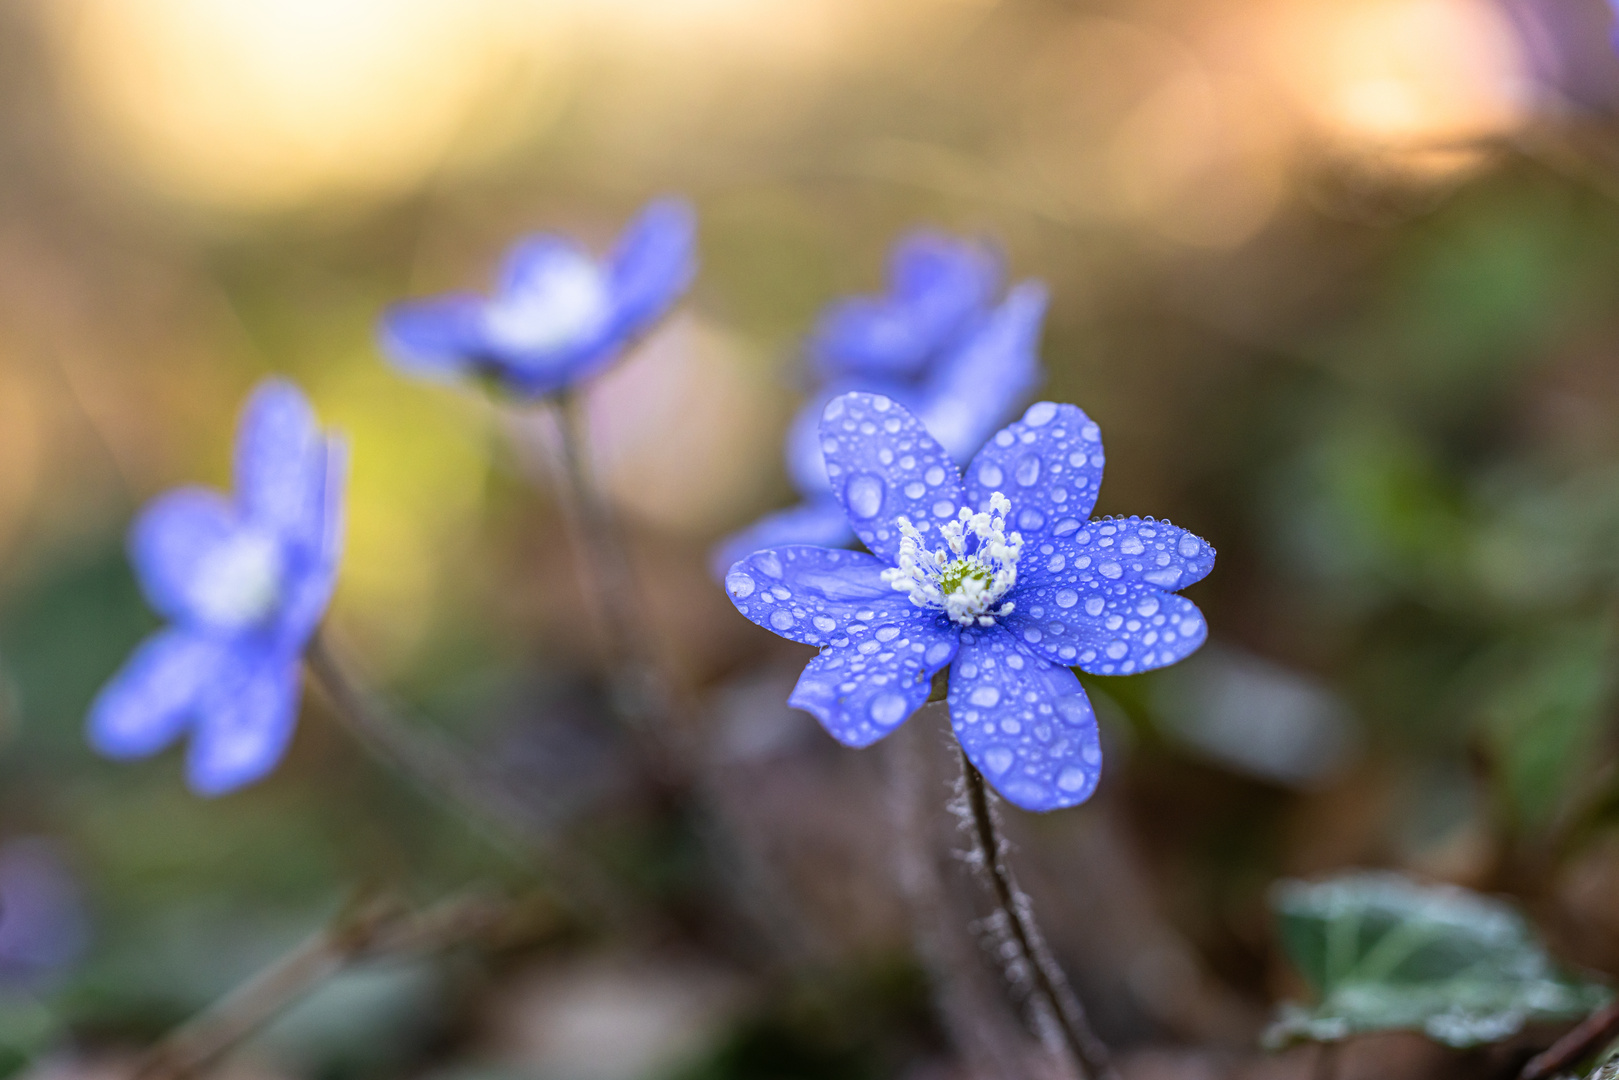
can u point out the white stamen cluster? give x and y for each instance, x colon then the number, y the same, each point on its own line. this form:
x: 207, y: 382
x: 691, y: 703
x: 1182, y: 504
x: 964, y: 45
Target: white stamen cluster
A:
x: 965, y: 585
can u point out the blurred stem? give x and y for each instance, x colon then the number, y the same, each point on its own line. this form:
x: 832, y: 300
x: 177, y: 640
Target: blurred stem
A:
x: 354, y: 936
x: 1015, y: 922
x: 640, y: 694
x: 447, y: 778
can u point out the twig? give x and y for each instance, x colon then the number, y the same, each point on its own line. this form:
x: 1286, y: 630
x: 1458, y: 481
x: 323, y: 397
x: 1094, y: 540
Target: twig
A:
x: 374, y: 931
x: 1588, y: 1035
x: 1029, y: 960
x: 452, y: 781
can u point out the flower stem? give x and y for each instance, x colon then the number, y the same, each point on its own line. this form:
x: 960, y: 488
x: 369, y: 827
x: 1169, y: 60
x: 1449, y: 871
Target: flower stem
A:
x: 640, y: 695
x: 1031, y: 961
x: 450, y: 780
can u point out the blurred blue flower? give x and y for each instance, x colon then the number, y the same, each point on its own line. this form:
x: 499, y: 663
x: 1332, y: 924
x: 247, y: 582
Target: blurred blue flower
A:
x: 1009, y: 590
x: 558, y: 315
x: 934, y: 344
x: 43, y: 924
x: 936, y: 286
x: 244, y: 582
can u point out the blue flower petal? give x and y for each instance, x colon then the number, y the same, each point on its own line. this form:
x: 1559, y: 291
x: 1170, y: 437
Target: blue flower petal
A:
x: 281, y: 463
x: 1049, y: 464
x: 653, y: 263
x: 975, y: 387
x: 1101, y: 596
x: 806, y: 462
x: 438, y: 339
x: 937, y: 284
x: 818, y: 523
x: 176, y: 539
x: 820, y: 596
x: 1025, y: 723
x: 309, y: 591
x: 883, y: 466
x: 149, y: 702
x: 867, y: 687
x: 244, y: 726
x: 1116, y: 629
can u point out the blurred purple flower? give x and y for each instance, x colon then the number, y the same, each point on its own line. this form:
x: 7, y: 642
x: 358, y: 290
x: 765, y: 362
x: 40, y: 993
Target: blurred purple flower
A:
x: 244, y: 582
x: 948, y: 581
x: 558, y: 315
x: 935, y: 345
x: 43, y: 926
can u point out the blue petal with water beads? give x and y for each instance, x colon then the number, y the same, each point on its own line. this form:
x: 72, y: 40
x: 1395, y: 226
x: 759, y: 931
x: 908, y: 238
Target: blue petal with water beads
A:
x: 1024, y: 722
x: 883, y: 466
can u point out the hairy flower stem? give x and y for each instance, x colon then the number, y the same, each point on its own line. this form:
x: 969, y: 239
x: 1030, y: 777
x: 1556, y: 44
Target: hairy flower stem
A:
x: 640, y: 695
x: 1031, y: 960
x: 455, y: 783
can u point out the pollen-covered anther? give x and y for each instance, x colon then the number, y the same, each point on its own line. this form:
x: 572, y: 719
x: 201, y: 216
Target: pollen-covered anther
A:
x: 967, y: 576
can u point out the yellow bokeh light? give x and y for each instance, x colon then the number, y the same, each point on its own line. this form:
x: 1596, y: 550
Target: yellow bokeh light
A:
x: 256, y: 104
x: 1391, y: 75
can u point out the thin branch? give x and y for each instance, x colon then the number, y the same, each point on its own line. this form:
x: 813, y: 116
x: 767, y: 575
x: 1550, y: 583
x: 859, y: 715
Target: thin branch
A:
x: 374, y: 931
x: 1587, y: 1037
x: 1030, y: 960
x: 449, y: 779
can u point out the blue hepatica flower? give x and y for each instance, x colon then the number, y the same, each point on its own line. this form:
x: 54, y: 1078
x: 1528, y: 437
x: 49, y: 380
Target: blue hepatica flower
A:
x: 558, y: 315
x: 935, y: 342
x: 999, y: 574
x: 244, y: 581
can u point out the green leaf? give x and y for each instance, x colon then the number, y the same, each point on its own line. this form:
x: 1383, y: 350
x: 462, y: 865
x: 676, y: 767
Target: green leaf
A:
x: 1382, y: 952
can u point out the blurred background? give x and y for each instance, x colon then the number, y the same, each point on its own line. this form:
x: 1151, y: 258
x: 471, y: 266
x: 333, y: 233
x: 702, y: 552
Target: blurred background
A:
x: 1339, y: 280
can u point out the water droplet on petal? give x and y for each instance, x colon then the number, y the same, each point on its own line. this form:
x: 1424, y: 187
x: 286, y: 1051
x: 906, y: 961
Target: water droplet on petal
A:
x: 1028, y: 469
x: 825, y: 624
x: 989, y: 474
x: 1072, y: 778
x: 864, y: 494
x: 1030, y: 519
x: 915, y: 489
x: 1067, y: 598
x: 937, y: 653
x: 768, y: 562
x: 935, y: 476
x: 782, y: 619
x: 998, y: 759
x: 1116, y: 650
x: 738, y: 584
x: 1094, y: 605
x: 984, y: 696
x: 1040, y: 413
x: 887, y: 708
x: 1189, y: 546
x: 1110, y: 569
x: 1132, y: 545
x: 1164, y: 579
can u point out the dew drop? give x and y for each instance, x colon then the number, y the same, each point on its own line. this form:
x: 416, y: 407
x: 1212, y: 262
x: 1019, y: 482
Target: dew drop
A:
x: 1028, y: 469
x: 1189, y: 546
x: 1116, y: 649
x: 887, y: 633
x: 864, y: 496
x: 887, y: 708
x: 1066, y: 527
x: 782, y: 619
x: 738, y: 584
x: 985, y: 696
x: 1072, y: 778
x: 825, y: 624
x: 915, y: 490
x: 934, y: 476
x: 944, y: 508
x: 998, y: 759
x: 768, y: 562
x: 937, y: 653
x: 1132, y: 545
x: 1163, y: 578
x: 1040, y: 413
x: 1030, y: 519
x: 989, y: 474
x: 1067, y: 598
x: 1110, y: 569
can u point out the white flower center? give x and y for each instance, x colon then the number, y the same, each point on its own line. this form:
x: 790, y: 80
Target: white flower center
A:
x: 239, y: 582
x: 967, y: 577
x: 558, y: 303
